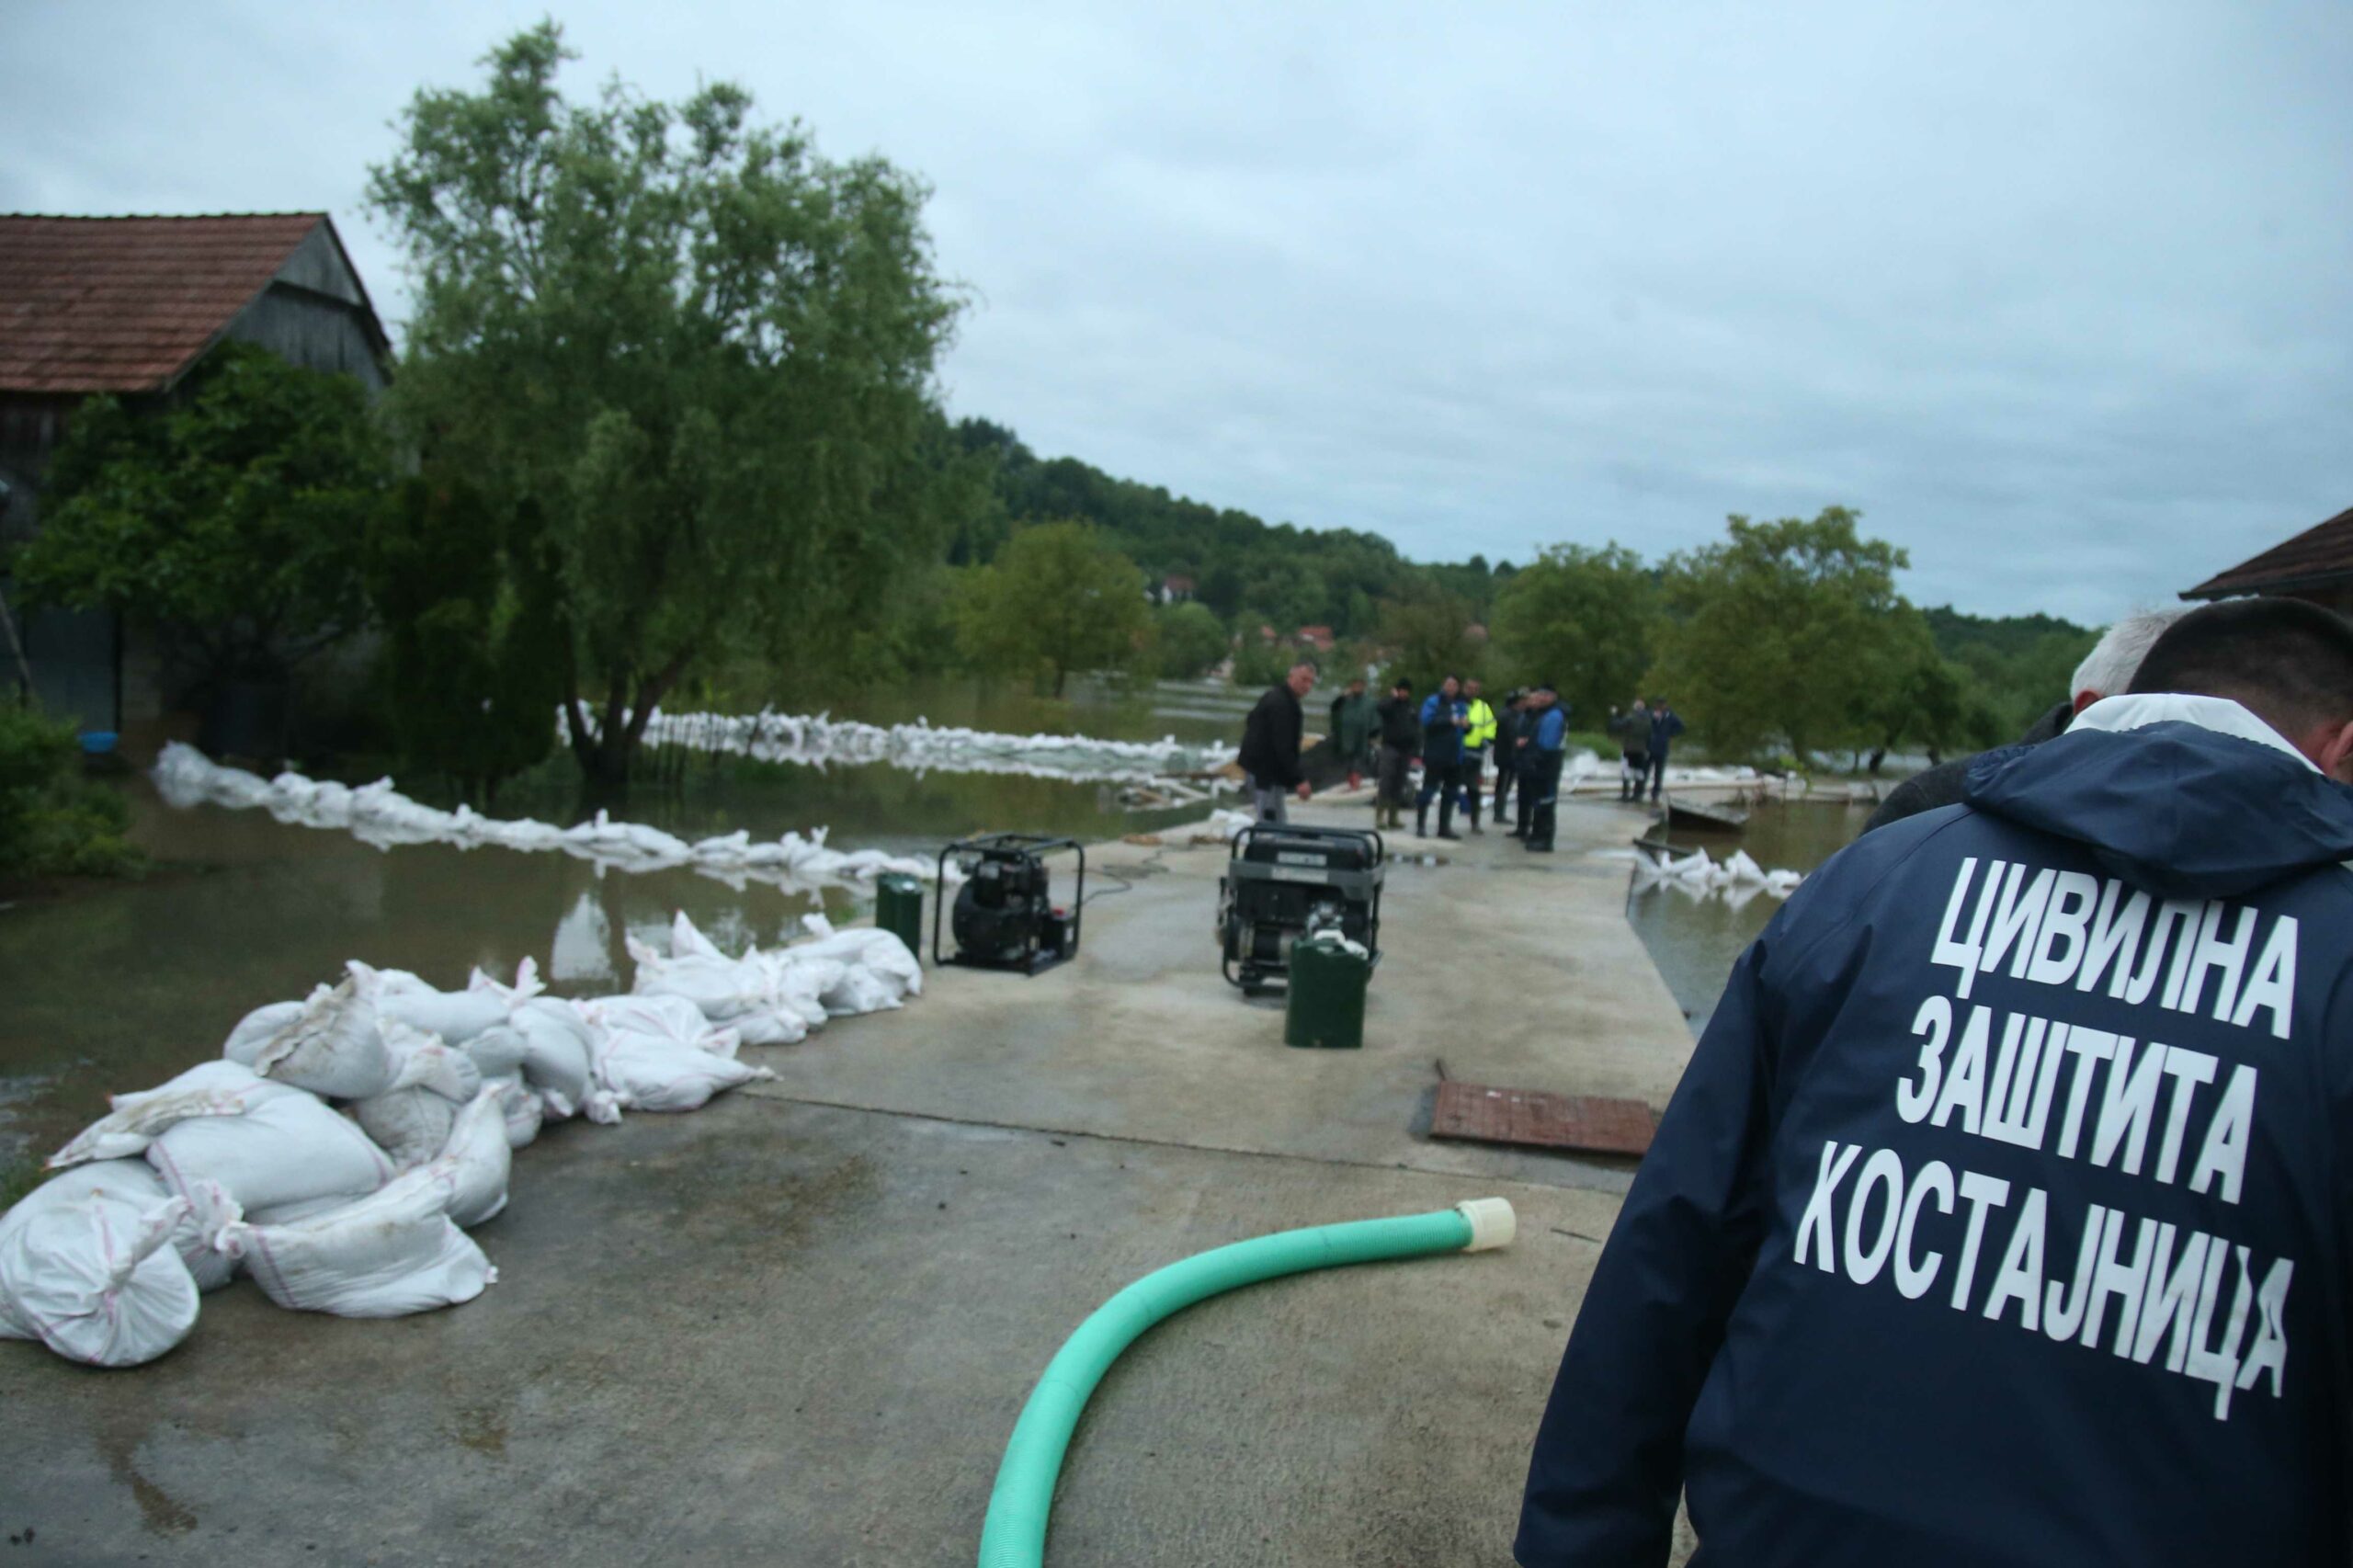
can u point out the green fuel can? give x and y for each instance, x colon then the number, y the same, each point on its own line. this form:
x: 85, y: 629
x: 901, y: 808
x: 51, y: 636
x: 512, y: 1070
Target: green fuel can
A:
x: 1324, y: 1005
x: 898, y: 908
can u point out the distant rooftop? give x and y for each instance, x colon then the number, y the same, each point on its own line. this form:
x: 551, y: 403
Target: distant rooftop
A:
x: 2320, y: 556
x: 128, y: 304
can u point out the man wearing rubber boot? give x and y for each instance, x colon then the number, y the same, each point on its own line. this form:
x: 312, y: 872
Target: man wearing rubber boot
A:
x: 1478, y: 736
x: 1541, y: 786
x: 1508, y: 730
x: 1442, y: 726
x: 2001, y: 1214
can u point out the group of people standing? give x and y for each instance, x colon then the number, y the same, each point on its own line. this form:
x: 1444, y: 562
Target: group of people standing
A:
x: 1644, y: 732
x: 1454, y: 730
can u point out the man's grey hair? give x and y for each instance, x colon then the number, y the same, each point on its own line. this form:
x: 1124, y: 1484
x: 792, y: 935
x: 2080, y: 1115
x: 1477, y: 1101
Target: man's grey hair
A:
x: 2109, y: 667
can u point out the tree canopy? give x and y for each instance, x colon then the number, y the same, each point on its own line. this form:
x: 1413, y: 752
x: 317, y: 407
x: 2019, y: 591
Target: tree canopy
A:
x: 703, y: 350
x: 1058, y: 598
x: 231, y: 521
x: 1785, y: 631
x: 1582, y: 618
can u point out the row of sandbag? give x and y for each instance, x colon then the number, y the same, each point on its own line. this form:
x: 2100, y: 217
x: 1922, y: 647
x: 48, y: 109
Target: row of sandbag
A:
x: 342, y: 1146
x: 379, y: 815
x: 816, y: 740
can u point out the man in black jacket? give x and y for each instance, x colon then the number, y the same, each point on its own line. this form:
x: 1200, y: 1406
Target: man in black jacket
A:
x: 1270, y: 739
x: 1401, y: 737
x: 2001, y: 1215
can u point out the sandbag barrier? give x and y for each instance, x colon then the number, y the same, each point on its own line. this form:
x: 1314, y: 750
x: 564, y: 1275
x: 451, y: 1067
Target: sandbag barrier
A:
x: 818, y: 740
x: 381, y: 815
x: 341, y: 1147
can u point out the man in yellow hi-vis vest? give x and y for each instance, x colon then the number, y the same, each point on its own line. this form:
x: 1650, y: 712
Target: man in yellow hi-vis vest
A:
x: 1478, y: 738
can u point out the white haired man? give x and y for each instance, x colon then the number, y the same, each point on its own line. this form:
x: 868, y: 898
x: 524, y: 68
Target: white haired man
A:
x: 2107, y: 671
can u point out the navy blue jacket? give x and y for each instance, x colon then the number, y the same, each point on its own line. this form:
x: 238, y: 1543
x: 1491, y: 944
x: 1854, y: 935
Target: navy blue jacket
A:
x: 2016, y: 1160
x: 1666, y: 724
x: 1442, y: 740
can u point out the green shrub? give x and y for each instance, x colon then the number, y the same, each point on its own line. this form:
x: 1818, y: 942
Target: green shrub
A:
x: 51, y: 819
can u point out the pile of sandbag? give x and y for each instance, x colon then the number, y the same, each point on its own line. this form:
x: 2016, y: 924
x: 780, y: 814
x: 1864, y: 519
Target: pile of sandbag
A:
x: 342, y: 1146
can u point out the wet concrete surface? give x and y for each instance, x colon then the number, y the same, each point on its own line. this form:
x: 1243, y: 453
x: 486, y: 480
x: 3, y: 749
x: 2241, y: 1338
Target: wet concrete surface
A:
x: 797, y: 1326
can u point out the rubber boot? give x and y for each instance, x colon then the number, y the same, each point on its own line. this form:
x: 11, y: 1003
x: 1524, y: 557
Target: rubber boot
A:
x: 1422, y: 820
x: 1446, y: 819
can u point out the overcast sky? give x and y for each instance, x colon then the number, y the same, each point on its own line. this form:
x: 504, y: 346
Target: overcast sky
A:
x: 2061, y: 297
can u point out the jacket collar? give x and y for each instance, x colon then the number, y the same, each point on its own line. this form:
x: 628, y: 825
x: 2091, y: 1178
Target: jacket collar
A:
x: 2218, y: 714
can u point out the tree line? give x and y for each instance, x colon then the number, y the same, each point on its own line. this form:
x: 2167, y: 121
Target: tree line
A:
x: 665, y: 429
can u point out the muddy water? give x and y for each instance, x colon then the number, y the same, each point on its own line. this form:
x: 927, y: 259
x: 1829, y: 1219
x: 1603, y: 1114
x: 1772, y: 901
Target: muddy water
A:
x: 1696, y: 937
x: 114, y: 988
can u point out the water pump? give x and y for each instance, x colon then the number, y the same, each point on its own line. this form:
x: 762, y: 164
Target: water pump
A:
x: 1004, y: 915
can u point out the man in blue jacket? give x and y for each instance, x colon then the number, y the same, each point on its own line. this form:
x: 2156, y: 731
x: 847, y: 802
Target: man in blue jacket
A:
x: 1547, y: 739
x: 2010, y: 1169
x: 1443, y: 721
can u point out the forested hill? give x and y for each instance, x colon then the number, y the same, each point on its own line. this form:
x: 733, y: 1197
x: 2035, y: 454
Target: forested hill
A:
x: 1291, y: 576
x: 2021, y: 662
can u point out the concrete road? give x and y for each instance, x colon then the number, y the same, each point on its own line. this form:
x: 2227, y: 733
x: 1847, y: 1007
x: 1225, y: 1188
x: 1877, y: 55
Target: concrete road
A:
x: 796, y: 1327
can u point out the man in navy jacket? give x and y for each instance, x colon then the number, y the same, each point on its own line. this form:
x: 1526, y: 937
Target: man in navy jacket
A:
x: 2011, y: 1170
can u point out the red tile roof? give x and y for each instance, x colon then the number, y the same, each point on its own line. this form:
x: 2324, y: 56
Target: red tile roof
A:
x: 125, y: 305
x: 2321, y: 554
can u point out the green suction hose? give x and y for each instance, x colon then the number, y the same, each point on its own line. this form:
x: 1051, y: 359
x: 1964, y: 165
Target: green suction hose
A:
x: 1015, y: 1533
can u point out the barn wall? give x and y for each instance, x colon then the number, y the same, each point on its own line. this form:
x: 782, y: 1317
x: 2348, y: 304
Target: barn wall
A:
x: 310, y: 330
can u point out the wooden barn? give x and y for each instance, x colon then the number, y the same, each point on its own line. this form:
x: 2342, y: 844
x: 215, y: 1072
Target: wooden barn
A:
x: 129, y: 306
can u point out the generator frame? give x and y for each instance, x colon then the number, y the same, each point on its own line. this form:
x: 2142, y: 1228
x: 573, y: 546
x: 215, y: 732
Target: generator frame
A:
x: 1362, y: 886
x: 1010, y: 848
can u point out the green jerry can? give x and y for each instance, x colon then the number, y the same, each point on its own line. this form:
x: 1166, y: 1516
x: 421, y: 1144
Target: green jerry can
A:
x: 1325, y: 1003
x: 898, y: 908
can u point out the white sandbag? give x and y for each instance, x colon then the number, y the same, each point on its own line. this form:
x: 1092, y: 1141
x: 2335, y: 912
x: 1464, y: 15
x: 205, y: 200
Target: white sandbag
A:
x: 334, y: 1048
x: 520, y: 1107
x: 876, y: 950
x: 87, y: 1267
x: 480, y: 1159
x: 646, y: 1072
x: 669, y: 1019
x: 455, y: 1016
x: 285, y: 1147
x: 556, y: 1043
x: 390, y: 1254
x: 210, y: 1088
x: 498, y: 1051
x: 410, y: 1125
x: 722, y: 988
x: 256, y: 1030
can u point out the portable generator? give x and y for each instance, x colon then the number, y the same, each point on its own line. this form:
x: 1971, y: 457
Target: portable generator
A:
x: 1281, y: 882
x: 1004, y: 915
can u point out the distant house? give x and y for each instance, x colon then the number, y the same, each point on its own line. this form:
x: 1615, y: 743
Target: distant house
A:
x: 129, y: 306
x: 1316, y: 637
x: 2318, y: 564
x: 1175, y: 588
x: 1475, y: 632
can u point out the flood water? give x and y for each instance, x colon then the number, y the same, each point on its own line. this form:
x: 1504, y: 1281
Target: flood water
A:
x: 1695, y: 937
x: 112, y: 988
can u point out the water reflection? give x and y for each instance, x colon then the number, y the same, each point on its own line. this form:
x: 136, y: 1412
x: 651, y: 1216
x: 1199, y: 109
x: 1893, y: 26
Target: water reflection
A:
x: 1695, y: 936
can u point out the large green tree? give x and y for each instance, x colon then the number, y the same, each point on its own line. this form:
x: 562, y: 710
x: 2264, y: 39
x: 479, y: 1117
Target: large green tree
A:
x: 1785, y: 633
x: 233, y: 521
x: 1056, y: 599
x: 1427, y: 633
x: 1582, y: 618
x: 702, y: 349
x: 473, y: 633
x: 1188, y: 640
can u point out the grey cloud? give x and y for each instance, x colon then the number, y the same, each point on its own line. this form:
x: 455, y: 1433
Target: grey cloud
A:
x: 2057, y: 295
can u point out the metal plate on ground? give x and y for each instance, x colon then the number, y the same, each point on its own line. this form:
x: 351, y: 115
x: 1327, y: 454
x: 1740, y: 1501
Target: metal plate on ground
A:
x: 1478, y: 1114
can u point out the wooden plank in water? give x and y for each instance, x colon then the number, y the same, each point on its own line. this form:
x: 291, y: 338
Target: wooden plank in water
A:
x: 1478, y: 1114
